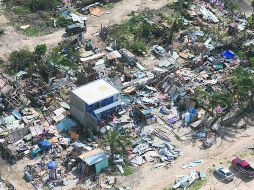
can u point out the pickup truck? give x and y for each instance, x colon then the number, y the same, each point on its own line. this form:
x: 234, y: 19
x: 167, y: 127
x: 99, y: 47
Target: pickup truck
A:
x: 243, y: 166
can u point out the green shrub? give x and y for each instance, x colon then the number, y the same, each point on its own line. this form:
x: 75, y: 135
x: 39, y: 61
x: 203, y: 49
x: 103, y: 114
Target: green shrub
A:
x: 128, y: 170
x: 21, y: 10
x: 1, y: 32
x: 40, y: 50
x: 251, y: 61
x: 1, y: 61
x: 42, y: 5
x: 62, y: 22
x: 32, y: 31
x: 68, y: 59
x: 138, y: 47
x: 21, y: 59
x: 232, y: 6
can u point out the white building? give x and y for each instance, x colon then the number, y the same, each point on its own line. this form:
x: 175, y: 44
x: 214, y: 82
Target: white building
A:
x: 94, y: 102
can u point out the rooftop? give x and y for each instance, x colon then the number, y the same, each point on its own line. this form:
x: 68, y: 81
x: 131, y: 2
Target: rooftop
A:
x: 95, y: 91
x: 94, y: 156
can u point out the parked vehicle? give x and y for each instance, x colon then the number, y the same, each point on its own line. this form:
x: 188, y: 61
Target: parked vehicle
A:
x: 75, y: 28
x: 158, y: 50
x: 243, y: 166
x: 224, y: 173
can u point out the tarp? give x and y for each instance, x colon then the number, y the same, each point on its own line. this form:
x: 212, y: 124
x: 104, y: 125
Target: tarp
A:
x: 44, y: 144
x: 66, y: 124
x: 228, y: 54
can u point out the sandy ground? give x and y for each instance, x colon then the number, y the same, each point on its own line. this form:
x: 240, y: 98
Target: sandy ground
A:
x: 246, y: 6
x: 224, y: 150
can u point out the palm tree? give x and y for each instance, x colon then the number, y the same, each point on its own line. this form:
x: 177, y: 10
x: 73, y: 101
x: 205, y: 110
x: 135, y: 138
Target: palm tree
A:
x: 117, y: 142
x: 213, y: 101
x: 242, y: 87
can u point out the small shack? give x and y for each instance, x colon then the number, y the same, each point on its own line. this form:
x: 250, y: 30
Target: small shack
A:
x: 92, y: 162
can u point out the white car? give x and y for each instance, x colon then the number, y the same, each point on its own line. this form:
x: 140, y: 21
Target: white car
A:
x: 224, y: 173
x: 158, y: 50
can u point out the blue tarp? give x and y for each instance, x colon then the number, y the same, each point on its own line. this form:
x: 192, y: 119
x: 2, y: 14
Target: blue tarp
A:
x: 66, y: 124
x: 44, y: 144
x: 147, y: 111
x: 228, y: 54
x: 52, y: 165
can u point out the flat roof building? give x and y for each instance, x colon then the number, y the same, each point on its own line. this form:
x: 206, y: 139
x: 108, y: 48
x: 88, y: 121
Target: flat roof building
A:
x: 94, y: 102
x: 95, y: 91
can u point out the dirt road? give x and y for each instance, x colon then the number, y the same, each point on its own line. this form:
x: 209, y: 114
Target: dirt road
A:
x: 14, y: 40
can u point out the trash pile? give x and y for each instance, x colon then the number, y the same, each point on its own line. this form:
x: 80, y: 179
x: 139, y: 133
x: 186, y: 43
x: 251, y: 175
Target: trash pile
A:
x: 187, y: 180
x: 153, y: 146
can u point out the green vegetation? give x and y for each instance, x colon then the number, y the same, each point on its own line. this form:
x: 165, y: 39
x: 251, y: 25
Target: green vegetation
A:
x: 109, y: 6
x: 142, y: 31
x: 241, y: 87
x: 231, y: 5
x: 168, y: 188
x: 25, y: 59
x: 64, y: 55
x: 135, y: 32
x: 1, y: 61
x: 62, y: 22
x: 21, y: 10
x: 31, y: 12
x: 1, y: 32
x: 25, y: 6
x: 251, y: 21
x: 117, y: 142
x: 40, y: 51
x: 196, y: 185
x: 251, y: 61
x: 138, y: 47
x: 128, y: 170
x: 42, y: 5
x: 31, y: 31
x: 21, y: 59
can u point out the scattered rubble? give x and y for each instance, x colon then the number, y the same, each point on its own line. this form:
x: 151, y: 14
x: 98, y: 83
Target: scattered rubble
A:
x: 59, y: 122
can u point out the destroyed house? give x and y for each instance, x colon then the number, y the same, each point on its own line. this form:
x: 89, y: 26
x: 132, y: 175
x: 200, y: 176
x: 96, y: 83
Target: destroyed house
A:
x: 94, y: 102
x: 92, y: 162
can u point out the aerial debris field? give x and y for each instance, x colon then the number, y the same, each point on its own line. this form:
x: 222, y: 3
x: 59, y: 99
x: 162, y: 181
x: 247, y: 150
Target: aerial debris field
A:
x: 126, y: 95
